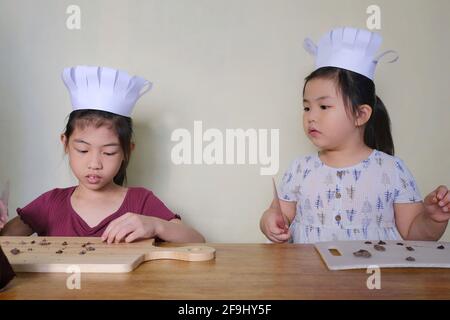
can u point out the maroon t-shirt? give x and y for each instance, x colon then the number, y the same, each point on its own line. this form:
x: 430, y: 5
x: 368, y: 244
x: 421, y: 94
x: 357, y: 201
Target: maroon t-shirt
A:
x: 51, y: 214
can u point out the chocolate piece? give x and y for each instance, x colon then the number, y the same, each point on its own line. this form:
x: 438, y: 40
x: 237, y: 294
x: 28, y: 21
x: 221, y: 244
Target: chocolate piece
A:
x: 441, y: 247
x: 33, y: 242
x: 59, y: 251
x: 362, y: 253
x: 368, y: 242
x: 64, y: 243
x: 82, y: 252
x: 15, y: 251
x: 30, y: 249
x: 90, y: 248
x: 6, y: 271
x: 381, y: 242
x: 410, y: 248
x: 44, y: 242
x: 410, y: 259
x: 379, y: 248
x: 399, y: 244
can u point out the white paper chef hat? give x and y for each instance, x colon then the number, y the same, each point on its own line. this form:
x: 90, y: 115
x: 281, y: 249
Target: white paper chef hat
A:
x: 102, y: 88
x: 349, y: 48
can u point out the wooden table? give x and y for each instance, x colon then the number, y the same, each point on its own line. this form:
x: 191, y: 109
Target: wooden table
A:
x: 240, y: 271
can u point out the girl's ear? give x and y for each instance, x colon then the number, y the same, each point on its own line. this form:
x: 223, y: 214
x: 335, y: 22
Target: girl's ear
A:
x: 364, y: 113
x: 132, y: 146
x: 64, y: 142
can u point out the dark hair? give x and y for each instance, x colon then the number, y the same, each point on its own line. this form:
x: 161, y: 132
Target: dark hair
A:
x: 357, y: 90
x: 122, y: 125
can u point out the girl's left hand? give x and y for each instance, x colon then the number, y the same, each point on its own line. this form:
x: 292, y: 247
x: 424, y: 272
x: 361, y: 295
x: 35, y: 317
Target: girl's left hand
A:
x: 437, y: 204
x: 131, y: 227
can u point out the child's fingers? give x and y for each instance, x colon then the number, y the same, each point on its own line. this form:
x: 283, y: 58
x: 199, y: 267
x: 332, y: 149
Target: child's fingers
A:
x: 444, y: 200
x: 123, y: 232
x: 114, y: 231
x: 441, y: 192
x: 133, y: 236
x: 114, y: 224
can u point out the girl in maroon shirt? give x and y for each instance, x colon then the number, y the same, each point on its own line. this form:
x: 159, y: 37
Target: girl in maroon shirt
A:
x: 98, y: 142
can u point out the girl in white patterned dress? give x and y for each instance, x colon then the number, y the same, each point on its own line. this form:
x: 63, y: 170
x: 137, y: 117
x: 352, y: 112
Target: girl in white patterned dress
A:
x: 353, y: 188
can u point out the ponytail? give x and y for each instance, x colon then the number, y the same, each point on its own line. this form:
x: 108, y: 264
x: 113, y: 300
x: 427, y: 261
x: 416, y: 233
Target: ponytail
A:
x: 377, y: 133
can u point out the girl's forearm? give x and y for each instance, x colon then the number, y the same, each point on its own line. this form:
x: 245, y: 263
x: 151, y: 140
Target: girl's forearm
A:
x: 178, y: 232
x: 425, y: 229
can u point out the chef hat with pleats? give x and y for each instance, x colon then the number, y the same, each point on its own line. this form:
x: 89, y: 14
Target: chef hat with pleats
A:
x: 102, y: 88
x: 349, y: 48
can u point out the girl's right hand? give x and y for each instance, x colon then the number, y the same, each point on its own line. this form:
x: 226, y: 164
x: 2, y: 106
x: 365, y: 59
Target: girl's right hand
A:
x: 3, y: 214
x: 275, y: 225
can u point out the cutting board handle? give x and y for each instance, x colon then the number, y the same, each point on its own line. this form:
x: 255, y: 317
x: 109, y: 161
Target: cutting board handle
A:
x: 187, y: 253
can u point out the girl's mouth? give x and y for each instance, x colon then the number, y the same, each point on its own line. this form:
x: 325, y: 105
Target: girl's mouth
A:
x: 93, y: 179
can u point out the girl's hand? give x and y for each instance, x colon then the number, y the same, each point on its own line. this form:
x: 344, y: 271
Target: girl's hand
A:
x: 3, y: 214
x: 131, y: 227
x: 275, y: 225
x: 437, y: 204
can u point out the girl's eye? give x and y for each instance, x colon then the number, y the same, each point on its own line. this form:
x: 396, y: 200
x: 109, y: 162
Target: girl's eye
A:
x: 81, y: 151
x: 306, y: 109
x: 110, y: 153
x: 324, y: 107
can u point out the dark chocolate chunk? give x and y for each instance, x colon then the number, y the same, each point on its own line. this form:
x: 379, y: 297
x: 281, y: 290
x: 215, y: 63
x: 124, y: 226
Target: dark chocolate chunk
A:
x: 59, y: 251
x: 441, y: 247
x: 362, y: 253
x: 379, y: 247
x: 368, y: 242
x: 15, y: 251
x: 399, y: 244
x: 82, y: 252
x: 64, y: 243
x: 33, y: 242
x: 381, y: 242
x: 410, y: 259
x: 410, y: 248
x: 90, y: 248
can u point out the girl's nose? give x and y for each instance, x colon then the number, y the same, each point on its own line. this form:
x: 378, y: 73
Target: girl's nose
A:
x: 95, y: 163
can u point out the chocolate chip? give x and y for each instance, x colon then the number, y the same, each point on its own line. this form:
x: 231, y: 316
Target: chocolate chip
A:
x: 368, y: 242
x: 381, y: 242
x: 410, y: 259
x: 33, y: 242
x: 82, y: 252
x: 362, y: 253
x: 90, y: 248
x: 441, y: 247
x: 59, y: 251
x: 15, y: 251
x: 44, y: 242
x: 410, y: 248
x: 64, y: 243
x: 30, y: 249
x: 379, y: 248
x: 399, y: 243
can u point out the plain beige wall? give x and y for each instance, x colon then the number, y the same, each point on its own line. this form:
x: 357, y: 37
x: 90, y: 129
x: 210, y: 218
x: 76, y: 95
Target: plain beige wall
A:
x: 231, y: 64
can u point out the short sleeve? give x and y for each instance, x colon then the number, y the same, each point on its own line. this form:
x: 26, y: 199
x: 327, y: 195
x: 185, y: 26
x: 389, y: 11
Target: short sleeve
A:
x: 289, y: 183
x: 36, y: 213
x: 156, y: 208
x: 406, y: 189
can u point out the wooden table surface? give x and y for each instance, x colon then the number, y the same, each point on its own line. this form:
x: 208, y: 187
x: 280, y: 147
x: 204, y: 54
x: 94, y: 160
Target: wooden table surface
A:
x: 239, y: 271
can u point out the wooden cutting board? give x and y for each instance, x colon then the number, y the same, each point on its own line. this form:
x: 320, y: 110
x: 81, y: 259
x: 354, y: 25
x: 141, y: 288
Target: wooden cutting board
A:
x: 60, y: 254
x: 425, y: 253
